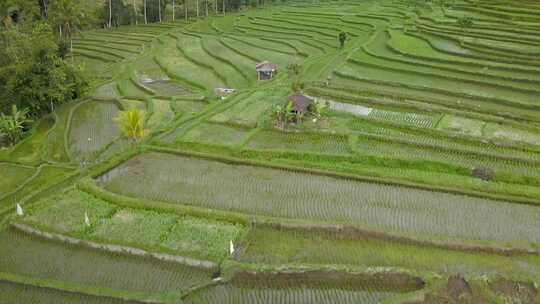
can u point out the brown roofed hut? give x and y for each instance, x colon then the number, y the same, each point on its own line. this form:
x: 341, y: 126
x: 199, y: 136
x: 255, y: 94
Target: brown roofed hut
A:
x: 265, y: 70
x: 300, y: 103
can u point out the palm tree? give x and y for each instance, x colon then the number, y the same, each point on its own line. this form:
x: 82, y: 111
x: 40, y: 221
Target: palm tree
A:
x: 173, y: 10
x: 132, y: 123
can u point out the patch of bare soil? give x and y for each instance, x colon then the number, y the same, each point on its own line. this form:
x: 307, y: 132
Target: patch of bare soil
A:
x: 515, y: 291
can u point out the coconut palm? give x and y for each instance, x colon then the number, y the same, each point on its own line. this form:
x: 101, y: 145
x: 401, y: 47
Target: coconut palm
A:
x: 132, y: 123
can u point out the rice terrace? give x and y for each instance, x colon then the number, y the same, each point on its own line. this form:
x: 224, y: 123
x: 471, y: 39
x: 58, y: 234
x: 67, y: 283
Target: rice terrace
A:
x: 259, y: 151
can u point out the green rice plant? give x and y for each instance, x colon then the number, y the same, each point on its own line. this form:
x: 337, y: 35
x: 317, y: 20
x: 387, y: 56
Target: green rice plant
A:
x: 92, y: 129
x: 203, y: 238
x: 216, y: 134
x: 93, y: 268
x: 423, y: 139
x: 399, y: 43
x: 191, y: 48
x: 309, y: 293
x: 428, y: 98
x: 128, y: 226
x: 243, y: 65
x: 364, y: 64
x: 22, y: 293
x: 46, y: 176
x: 30, y: 150
x: 162, y: 113
x: 106, y: 92
x: 249, y: 110
x: 274, y: 246
x: 409, y: 118
x: 285, y: 194
x: 56, y: 146
x: 256, y: 51
x: 308, y: 142
x: 13, y: 176
x: 180, y: 66
x: 65, y: 212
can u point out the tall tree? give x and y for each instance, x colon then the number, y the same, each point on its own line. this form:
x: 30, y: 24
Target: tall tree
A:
x: 186, y: 10
x: 43, y: 8
x: 173, y: 10
x: 145, y: 18
x: 159, y: 10
x: 110, y: 13
x: 197, y: 8
x: 135, y: 13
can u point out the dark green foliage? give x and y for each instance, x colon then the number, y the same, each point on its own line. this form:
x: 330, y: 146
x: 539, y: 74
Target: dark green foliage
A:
x: 342, y: 38
x: 465, y: 22
x: 122, y: 13
x: 13, y: 125
x: 36, y: 77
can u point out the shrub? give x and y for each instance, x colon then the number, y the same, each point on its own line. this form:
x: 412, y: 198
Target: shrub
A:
x: 132, y: 123
x: 12, y: 126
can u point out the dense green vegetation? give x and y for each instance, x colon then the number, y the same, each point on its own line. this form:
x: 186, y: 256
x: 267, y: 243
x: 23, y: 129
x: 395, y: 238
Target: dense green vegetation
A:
x: 128, y: 173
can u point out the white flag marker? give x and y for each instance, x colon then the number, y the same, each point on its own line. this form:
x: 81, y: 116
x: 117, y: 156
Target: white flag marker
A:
x: 19, y: 210
x: 86, y: 219
x: 231, y: 248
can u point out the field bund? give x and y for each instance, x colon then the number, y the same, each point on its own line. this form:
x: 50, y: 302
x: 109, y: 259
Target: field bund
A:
x: 285, y: 194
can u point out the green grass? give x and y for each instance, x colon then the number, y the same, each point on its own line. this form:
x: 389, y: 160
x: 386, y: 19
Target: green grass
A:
x: 247, y: 111
x: 316, y: 143
x: 155, y: 231
x: 181, y: 67
x: 161, y: 115
x: 203, y: 238
x: 106, y: 91
x: 134, y: 226
x: 13, y: 176
x: 216, y: 134
x: 30, y: 150
x: 47, y: 176
x: 56, y: 140
x: 65, y: 212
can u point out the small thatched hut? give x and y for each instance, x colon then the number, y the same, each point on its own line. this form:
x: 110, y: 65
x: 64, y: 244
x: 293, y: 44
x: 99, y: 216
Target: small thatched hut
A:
x: 265, y: 70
